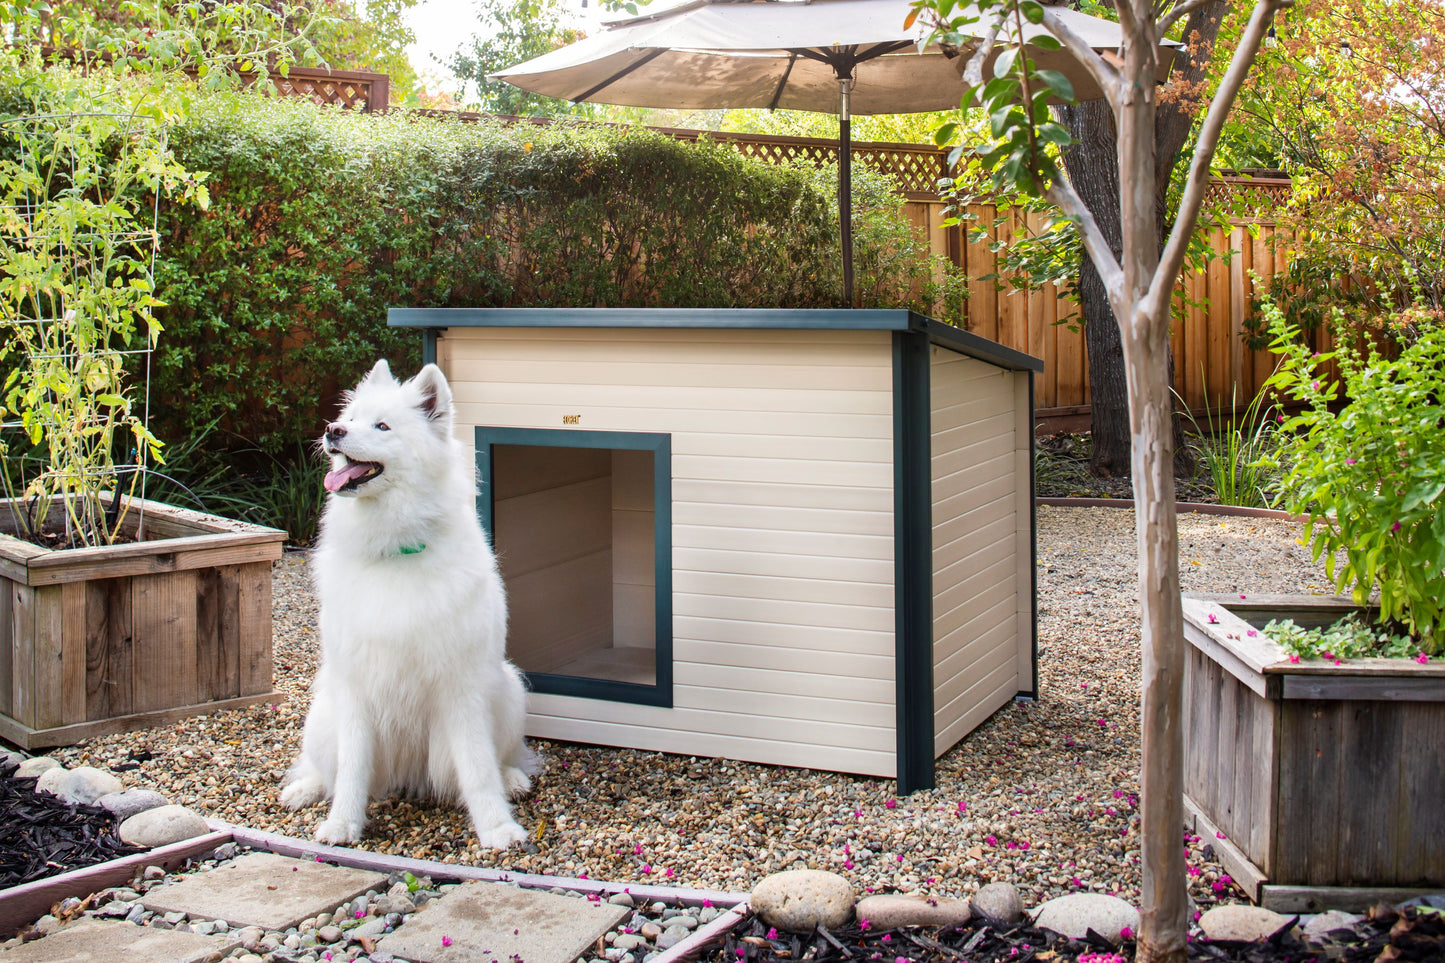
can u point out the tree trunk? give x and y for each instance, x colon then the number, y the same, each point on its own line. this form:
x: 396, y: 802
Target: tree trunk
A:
x: 1092, y: 164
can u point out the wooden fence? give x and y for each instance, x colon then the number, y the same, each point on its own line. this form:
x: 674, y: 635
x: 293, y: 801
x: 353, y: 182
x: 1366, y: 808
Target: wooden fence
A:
x: 1214, y: 367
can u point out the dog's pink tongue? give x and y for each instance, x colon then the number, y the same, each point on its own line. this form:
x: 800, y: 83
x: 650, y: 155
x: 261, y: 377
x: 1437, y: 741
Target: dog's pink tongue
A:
x: 336, y: 480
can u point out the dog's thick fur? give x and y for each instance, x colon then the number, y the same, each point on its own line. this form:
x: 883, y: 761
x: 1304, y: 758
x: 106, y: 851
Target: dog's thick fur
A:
x: 413, y: 694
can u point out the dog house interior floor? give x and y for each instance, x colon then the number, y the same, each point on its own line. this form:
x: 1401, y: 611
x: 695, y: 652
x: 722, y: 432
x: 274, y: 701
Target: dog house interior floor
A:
x: 622, y: 663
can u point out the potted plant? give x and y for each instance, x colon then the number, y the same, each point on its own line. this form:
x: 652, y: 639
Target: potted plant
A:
x: 116, y: 612
x: 1314, y: 726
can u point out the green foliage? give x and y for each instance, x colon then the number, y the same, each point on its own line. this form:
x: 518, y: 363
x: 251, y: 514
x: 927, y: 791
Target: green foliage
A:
x: 322, y: 219
x: 1369, y: 479
x: 513, y: 31
x: 1237, y: 452
x: 1349, y: 638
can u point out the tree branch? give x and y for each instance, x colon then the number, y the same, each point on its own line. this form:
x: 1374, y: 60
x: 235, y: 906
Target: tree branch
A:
x: 1178, y: 12
x: 1104, y: 75
x: 1062, y: 195
x: 973, y: 72
x: 1197, y: 183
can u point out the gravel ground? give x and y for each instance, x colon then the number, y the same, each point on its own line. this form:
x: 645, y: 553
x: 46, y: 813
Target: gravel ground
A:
x: 1043, y: 795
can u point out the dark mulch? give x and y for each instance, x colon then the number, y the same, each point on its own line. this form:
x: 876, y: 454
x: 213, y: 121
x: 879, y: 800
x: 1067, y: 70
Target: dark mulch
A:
x: 1061, y: 470
x: 41, y: 835
x: 1408, y: 936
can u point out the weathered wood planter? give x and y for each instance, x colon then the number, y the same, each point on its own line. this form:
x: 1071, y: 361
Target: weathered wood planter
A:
x: 102, y: 640
x: 1318, y: 785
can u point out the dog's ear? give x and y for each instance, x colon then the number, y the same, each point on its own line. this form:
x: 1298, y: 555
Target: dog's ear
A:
x: 436, y: 397
x: 381, y: 371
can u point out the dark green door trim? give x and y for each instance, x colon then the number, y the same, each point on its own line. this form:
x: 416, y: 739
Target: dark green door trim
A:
x: 660, y: 693
x: 913, y: 560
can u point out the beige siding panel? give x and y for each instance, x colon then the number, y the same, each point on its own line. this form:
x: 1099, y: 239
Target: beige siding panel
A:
x: 572, y: 725
x: 782, y: 507
x: 997, y: 691
x: 752, y: 725
x: 1023, y: 516
x: 742, y: 634
x: 757, y: 654
x: 784, y: 542
x: 975, y: 571
x: 806, y: 682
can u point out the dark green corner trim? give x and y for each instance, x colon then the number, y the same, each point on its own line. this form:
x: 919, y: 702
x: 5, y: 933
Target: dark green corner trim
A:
x: 429, y: 346
x: 1033, y: 693
x: 913, y: 561
x: 963, y: 342
x: 659, y: 694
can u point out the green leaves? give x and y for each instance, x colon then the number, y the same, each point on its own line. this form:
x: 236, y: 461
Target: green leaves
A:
x: 1370, y: 477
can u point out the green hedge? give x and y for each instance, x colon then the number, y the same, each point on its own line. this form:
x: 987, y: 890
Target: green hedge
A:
x: 321, y: 219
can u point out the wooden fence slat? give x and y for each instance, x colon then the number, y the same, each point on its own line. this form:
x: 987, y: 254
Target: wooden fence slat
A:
x: 163, y: 612
x: 109, y: 685
x: 254, y: 611
x: 49, y: 669
x: 72, y: 652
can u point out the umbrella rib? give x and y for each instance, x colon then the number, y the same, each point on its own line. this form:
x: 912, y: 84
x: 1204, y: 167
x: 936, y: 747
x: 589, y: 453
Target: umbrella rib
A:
x: 778, y: 94
x: 653, y: 55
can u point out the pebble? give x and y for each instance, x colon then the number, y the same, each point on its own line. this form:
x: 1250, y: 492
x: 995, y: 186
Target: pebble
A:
x: 621, y: 899
x: 1240, y: 922
x: 890, y: 911
x: 1074, y: 915
x: 802, y: 899
x: 8, y: 758
x: 162, y: 826
x: 672, y: 936
x: 329, y: 934
x: 32, y: 768
x: 998, y: 901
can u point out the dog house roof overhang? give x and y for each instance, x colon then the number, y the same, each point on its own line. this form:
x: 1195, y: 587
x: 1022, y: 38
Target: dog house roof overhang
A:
x: 914, y: 335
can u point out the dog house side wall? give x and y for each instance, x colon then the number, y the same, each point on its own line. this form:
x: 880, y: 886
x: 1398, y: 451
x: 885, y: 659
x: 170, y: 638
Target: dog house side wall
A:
x: 982, y: 541
x: 783, y: 596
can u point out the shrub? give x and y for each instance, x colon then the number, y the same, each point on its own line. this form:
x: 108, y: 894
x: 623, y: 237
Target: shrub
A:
x: 1369, y: 479
x: 321, y: 220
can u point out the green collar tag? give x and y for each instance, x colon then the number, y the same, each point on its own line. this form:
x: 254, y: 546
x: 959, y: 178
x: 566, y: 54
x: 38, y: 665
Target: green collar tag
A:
x: 416, y: 548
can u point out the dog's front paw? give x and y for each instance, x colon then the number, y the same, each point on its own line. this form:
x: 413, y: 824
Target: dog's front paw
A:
x: 338, y: 832
x: 302, y: 793
x: 501, y: 835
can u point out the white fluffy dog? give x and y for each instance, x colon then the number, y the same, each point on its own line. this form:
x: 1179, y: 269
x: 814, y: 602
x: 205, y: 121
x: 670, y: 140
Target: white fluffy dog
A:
x: 413, y: 694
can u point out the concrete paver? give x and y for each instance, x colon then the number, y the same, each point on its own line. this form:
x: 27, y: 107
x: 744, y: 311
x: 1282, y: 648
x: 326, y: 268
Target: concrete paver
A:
x: 93, y: 941
x: 263, y: 889
x: 483, y: 922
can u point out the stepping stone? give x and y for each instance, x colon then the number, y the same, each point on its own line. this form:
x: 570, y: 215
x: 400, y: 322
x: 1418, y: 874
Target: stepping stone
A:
x: 90, y: 940
x: 502, y: 922
x: 265, y: 890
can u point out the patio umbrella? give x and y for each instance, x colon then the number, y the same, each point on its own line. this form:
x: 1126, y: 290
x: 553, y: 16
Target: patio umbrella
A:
x: 828, y: 56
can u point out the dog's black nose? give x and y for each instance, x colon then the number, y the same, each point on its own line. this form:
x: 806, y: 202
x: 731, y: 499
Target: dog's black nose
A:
x: 335, y: 430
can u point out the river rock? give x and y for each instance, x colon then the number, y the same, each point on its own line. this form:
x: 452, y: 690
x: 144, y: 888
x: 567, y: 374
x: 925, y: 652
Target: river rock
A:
x: 1077, y: 913
x: 8, y: 758
x: 1242, y: 923
x: 890, y: 911
x: 1316, y: 929
x: 31, y: 768
x: 999, y: 902
x: 84, y: 784
x: 801, y: 899
x: 128, y: 802
x: 162, y: 826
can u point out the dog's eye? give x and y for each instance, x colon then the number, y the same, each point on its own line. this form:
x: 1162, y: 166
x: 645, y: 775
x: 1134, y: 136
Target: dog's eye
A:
x: 382, y: 426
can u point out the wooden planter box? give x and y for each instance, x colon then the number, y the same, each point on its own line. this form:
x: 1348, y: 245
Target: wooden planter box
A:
x: 1319, y: 786
x: 101, y: 640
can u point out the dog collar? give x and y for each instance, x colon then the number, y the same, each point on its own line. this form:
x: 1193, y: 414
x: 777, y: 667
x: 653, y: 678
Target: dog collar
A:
x: 416, y: 548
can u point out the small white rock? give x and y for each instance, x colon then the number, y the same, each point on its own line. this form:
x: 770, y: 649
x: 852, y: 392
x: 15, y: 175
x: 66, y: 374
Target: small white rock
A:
x: 127, y: 802
x: 999, y: 901
x: 1077, y: 913
x: 162, y: 826
x: 801, y: 899
x: 888, y: 911
x: 1317, y: 928
x: 31, y: 768
x: 1241, y: 922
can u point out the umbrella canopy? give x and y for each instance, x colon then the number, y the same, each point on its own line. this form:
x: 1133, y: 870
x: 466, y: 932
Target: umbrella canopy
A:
x: 828, y: 56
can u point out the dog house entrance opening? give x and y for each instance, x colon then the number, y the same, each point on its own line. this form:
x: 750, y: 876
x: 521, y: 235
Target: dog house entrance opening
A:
x: 575, y: 534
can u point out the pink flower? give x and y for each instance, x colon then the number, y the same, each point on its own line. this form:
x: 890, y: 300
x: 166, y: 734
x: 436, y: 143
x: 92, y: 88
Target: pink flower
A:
x: 772, y: 932
x: 847, y: 864
x: 670, y: 873
x: 1294, y: 658
x: 1422, y: 658
x: 891, y: 804
x: 1219, y: 886
x: 1213, y: 619
x: 359, y: 914
x: 864, y: 925
x: 1075, y: 882
x: 637, y: 850
x: 1118, y: 794
x: 1350, y: 461
x: 1396, y: 527
x: 1126, y: 933
x: 1195, y: 871
x: 1315, y: 385
x: 1219, y: 835
x: 963, y: 806
x: 594, y: 897
x: 646, y: 869
x: 887, y: 938
x: 446, y: 941
x: 1251, y: 633
x: 991, y: 839
x: 1241, y: 595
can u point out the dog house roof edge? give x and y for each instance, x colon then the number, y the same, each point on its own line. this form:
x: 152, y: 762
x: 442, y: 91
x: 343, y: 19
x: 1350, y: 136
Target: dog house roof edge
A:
x: 779, y: 319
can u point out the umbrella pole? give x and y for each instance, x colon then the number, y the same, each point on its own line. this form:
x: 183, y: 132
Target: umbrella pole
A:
x: 845, y: 187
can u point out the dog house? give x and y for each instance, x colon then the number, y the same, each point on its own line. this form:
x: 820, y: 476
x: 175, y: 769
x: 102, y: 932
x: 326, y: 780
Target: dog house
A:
x: 798, y: 537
